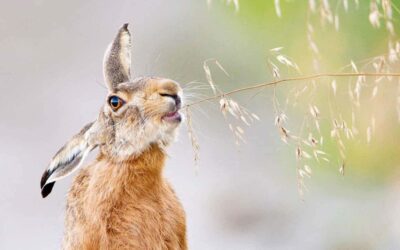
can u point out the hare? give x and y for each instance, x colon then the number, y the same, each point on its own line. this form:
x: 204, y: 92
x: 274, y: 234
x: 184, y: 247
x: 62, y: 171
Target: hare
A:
x: 121, y: 200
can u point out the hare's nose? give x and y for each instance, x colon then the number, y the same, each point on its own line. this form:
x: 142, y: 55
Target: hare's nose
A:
x: 176, y: 98
x: 178, y: 101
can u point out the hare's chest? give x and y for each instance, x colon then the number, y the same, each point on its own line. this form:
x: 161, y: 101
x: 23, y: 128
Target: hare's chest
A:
x: 152, y: 222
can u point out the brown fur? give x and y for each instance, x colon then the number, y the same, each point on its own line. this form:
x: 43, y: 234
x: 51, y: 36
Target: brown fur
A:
x: 124, y: 205
x: 122, y: 201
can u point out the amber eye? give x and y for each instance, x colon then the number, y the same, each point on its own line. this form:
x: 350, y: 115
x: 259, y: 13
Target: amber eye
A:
x: 115, y: 102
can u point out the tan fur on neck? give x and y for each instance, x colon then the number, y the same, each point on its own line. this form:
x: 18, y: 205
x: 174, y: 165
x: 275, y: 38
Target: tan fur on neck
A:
x: 124, y: 205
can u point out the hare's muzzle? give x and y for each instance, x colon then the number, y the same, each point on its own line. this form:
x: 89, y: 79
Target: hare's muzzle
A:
x: 173, y: 116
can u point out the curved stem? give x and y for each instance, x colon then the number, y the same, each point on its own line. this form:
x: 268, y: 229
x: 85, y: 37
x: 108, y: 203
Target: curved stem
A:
x: 300, y: 78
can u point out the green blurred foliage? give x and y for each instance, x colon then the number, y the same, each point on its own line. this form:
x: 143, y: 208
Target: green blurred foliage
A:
x: 356, y: 40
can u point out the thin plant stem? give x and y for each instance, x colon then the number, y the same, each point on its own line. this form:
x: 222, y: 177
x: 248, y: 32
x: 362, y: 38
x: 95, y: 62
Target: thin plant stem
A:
x: 291, y: 79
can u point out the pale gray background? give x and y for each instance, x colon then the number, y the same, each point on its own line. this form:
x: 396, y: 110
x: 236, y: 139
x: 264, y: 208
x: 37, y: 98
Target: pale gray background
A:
x: 242, y: 198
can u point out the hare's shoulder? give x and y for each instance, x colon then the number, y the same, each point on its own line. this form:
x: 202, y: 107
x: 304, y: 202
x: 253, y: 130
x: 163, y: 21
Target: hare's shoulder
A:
x: 79, y: 185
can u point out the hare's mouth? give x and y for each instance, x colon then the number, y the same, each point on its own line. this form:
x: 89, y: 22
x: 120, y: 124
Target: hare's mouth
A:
x: 174, y: 116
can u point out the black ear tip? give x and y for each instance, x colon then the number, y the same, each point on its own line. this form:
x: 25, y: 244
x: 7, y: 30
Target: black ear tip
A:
x: 46, y: 190
x: 45, y: 176
x: 125, y: 26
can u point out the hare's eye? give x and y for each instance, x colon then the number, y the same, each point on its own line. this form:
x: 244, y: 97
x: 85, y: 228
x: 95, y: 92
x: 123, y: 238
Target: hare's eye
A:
x: 115, y: 102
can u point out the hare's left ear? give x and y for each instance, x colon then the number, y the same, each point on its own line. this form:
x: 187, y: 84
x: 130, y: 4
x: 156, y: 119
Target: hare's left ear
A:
x: 117, y: 59
x: 69, y: 158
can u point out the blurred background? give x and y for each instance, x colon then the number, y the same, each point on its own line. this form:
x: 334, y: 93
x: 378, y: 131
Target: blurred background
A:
x: 238, y: 197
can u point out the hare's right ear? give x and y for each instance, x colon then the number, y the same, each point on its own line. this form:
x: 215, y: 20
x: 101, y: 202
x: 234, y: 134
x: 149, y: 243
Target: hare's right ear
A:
x: 68, y: 158
x: 117, y: 59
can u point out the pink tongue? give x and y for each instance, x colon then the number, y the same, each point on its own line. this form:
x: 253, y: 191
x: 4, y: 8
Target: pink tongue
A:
x: 171, y: 114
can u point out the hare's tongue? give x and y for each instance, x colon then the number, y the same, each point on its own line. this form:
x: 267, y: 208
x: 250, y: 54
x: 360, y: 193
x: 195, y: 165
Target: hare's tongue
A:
x: 172, y: 116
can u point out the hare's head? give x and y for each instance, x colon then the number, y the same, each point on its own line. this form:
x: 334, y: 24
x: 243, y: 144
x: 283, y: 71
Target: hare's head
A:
x: 137, y: 113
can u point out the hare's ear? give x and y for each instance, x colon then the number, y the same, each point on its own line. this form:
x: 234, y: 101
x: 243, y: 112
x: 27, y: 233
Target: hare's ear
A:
x: 68, y: 158
x: 117, y: 59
